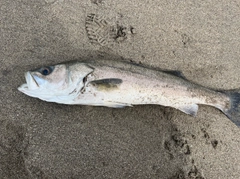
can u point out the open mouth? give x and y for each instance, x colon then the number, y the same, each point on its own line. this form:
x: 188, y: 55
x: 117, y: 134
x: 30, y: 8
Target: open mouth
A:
x: 30, y: 84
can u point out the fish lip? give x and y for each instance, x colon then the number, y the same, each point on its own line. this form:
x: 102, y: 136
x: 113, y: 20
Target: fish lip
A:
x: 30, y: 78
x: 23, y: 87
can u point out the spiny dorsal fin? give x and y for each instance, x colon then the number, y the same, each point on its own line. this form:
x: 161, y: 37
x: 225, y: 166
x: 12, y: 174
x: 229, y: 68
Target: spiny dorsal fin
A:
x: 175, y: 73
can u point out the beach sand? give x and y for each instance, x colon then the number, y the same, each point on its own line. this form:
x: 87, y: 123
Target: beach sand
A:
x: 48, y: 140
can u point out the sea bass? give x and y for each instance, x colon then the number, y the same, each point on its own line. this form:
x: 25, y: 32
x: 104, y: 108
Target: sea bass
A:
x: 120, y: 83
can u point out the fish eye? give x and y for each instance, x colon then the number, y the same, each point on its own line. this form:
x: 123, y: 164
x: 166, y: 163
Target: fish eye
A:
x: 46, y: 70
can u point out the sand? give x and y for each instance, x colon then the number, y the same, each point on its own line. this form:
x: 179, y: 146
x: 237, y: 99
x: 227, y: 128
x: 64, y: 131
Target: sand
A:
x: 48, y: 140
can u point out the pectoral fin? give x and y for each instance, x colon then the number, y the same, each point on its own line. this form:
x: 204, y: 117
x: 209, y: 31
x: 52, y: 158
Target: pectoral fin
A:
x: 190, y: 109
x: 107, y: 84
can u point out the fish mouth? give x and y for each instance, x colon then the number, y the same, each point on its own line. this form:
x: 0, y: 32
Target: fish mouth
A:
x: 31, y: 83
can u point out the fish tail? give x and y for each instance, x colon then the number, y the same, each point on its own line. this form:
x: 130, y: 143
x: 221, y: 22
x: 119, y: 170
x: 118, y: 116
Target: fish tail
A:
x: 234, y: 112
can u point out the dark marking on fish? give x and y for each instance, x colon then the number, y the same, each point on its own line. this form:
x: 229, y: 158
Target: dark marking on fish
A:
x: 107, y: 84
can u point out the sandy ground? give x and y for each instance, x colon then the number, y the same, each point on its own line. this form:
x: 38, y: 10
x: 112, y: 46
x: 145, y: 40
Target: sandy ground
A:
x: 47, y: 140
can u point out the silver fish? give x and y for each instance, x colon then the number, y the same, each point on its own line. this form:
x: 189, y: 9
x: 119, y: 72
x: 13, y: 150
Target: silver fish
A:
x: 120, y: 83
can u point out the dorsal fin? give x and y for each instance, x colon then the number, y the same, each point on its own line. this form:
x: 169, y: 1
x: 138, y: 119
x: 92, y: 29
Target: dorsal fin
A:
x: 175, y: 73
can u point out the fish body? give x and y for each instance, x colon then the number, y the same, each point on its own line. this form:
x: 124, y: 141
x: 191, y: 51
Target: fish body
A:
x: 120, y: 83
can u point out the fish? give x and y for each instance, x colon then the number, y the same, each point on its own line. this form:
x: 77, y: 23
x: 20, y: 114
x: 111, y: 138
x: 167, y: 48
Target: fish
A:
x: 121, y: 83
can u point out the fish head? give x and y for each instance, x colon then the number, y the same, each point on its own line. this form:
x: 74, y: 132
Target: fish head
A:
x: 58, y: 83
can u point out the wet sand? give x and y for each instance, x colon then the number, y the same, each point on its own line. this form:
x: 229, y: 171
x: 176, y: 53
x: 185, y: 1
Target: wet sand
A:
x: 48, y: 140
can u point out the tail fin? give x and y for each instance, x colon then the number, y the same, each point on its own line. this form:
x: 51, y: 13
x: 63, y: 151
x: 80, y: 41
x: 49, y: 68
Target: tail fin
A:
x: 234, y: 112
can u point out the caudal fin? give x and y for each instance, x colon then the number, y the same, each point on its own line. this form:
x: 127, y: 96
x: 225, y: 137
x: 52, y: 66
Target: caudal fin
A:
x: 234, y: 112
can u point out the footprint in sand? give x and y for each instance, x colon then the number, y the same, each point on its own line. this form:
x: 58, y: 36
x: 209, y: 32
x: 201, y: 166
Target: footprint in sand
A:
x: 101, y: 32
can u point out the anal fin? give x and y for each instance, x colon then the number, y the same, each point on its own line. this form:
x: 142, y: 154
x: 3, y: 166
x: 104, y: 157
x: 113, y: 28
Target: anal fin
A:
x: 190, y: 109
